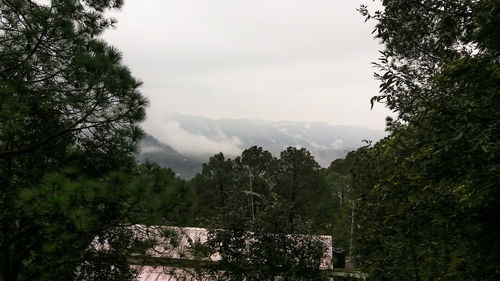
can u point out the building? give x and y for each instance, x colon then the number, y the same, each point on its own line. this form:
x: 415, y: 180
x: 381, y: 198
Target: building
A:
x: 174, y: 256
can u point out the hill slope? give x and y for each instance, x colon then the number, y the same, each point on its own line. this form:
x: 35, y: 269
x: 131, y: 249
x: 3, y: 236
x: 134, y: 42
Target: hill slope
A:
x: 153, y: 150
x: 186, y: 141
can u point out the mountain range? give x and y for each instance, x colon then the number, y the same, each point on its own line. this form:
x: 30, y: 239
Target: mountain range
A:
x: 183, y: 142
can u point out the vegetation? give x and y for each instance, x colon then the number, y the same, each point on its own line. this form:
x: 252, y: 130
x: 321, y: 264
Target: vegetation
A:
x: 428, y: 193
x: 242, y: 191
x: 261, y: 209
x: 426, y: 197
x: 69, y: 122
x: 70, y: 186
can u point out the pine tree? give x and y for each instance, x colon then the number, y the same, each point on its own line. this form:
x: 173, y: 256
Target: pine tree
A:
x: 69, y: 122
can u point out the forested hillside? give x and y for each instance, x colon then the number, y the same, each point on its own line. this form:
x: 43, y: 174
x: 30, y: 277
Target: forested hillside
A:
x: 150, y: 149
x: 186, y: 140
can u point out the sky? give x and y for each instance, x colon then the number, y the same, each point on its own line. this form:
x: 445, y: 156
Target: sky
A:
x: 261, y: 59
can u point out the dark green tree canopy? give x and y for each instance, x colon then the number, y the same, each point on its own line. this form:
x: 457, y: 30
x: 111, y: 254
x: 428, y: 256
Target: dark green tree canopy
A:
x: 259, y: 209
x: 429, y: 190
x: 69, y: 122
x: 424, y: 38
x: 60, y: 85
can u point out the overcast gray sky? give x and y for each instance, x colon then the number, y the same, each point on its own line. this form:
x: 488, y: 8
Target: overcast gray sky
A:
x: 269, y: 60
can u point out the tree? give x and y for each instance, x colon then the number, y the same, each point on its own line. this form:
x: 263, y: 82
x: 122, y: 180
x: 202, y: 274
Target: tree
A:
x: 301, y: 185
x: 63, y: 214
x: 168, y: 199
x: 232, y: 193
x: 430, y: 214
x: 69, y: 122
x: 61, y: 85
x: 258, y: 171
x: 215, y: 189
x: 340, y: 188
x: 255, y: 226
x: 258, y: 255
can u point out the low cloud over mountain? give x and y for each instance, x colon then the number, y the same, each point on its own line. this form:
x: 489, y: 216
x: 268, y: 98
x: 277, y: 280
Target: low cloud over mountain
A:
x: 195, y: 138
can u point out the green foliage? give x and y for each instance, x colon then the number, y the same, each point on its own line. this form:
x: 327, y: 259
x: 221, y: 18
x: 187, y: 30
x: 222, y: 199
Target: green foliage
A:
x: 69, y: 123
x: 241, y: 193
x: 62, y: 86
x: 428, y: 193
x: 266, y: 256
x: 109, y: 262
x: 68, y: 210
x: 167, y: 198
x: 302, y: 187
x: 262, y: 207
x: 214, y: 186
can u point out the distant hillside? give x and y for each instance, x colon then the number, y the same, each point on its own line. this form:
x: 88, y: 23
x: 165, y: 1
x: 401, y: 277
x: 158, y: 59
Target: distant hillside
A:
x: 185, y: 141
x: 166, y: 156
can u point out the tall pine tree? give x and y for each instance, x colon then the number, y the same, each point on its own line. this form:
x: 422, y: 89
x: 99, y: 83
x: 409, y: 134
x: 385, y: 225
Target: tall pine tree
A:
x: 69, y: 122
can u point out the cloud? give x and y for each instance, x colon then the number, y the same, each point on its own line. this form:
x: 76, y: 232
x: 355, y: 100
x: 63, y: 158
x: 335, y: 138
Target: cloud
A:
x: 316, y: 146
x: 337, y: 144
x: 305, y: 60
x: 150, y: 149
x: 196, y: 145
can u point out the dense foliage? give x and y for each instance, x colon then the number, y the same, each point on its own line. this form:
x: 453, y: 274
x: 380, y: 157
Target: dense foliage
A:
x: 429, y: 193
x: 69, y: 123
x: 246, y: 190
x: 264, y: 211
x: 426, y: 197
x: 260, y: 255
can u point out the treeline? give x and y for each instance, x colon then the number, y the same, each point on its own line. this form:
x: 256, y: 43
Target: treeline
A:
x: 257, y: 191
x: 280, y: 204
x: 288, y: 194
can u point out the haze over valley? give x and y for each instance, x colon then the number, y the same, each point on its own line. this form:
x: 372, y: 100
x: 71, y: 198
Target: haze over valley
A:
x: 186, y: 141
